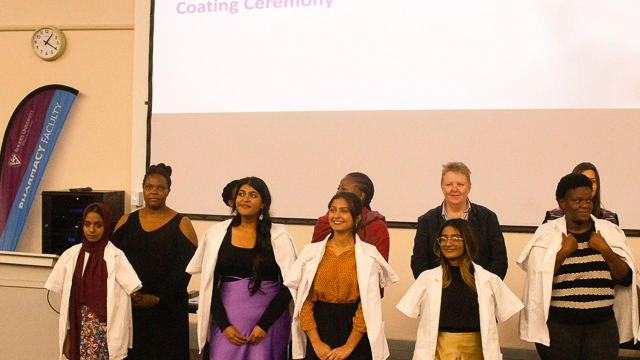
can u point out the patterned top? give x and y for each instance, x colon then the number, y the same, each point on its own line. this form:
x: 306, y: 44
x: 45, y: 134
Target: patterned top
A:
x: 582, y: 291
x: 336, y: 282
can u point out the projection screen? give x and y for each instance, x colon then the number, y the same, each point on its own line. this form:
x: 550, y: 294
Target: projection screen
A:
x: 302, y: 92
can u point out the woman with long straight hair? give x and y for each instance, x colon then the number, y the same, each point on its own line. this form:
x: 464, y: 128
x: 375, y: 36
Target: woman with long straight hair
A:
x: 243, y: 304
x: 460, y: 299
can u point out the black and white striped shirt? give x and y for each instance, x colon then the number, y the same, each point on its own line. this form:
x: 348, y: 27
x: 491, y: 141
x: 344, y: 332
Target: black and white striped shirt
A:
x: 583, y: 290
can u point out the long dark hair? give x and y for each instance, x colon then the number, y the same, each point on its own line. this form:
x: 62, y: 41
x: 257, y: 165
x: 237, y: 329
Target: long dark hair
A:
x: 597, y: 205
x: 263, y: 229
x: 355, y: 208
x: 470, y: 247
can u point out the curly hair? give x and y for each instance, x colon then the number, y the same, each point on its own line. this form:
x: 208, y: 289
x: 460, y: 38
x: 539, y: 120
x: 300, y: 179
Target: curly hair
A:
x: 570, y: 182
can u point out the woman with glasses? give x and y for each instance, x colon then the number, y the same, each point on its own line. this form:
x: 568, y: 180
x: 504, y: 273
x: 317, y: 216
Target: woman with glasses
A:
x: 159, y: 242
x: 460, y: 299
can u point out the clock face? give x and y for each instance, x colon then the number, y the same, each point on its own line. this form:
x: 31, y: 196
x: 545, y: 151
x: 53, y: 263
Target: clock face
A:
x: 48, y: 43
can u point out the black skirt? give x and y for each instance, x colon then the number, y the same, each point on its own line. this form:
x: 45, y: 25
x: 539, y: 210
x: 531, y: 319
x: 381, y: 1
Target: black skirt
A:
x: 335, y: 322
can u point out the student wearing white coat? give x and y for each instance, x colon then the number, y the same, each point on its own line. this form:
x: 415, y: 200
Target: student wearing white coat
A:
x: 589, y: 257
x: 80, y: 276
x: 204, y: 261
x: 351, y: 267
x: 230, y: 317
x: 473, y: 310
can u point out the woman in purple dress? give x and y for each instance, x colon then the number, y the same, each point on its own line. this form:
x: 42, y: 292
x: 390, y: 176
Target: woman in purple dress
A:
x: 244, y: 308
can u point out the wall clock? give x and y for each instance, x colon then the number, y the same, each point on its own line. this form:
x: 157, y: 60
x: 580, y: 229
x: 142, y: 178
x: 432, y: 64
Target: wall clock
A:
x: 48, y: 43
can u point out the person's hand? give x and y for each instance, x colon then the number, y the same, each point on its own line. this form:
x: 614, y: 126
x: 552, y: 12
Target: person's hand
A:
x: 321, y: 349
x: 598, y: 243
x: 339, y: 353
x: 569, y: 244
x: 135, y: 299
x: 66, y: 347
x: 144, y: 301
x: 233, y: 335
x: 256, y: 336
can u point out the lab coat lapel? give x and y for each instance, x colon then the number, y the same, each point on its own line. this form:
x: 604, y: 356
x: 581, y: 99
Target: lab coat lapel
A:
x: 435, y: 300
x: 364, y: 264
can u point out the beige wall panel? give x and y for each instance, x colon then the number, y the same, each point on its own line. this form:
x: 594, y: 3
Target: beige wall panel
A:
x: 66, y: 13
x: 94, y: 148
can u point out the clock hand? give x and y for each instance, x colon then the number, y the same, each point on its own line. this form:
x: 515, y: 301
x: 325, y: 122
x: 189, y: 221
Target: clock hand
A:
x: 46, y: 42
x: 52, y: 46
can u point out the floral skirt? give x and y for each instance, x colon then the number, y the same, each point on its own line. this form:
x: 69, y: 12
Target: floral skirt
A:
x: 93, y: 337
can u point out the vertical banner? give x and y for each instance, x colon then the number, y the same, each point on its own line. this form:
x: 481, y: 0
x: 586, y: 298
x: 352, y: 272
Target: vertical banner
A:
x: 26, y: 148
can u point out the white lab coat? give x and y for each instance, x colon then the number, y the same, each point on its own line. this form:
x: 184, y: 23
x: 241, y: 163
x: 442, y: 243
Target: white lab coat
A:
x: 538, y: 260
x: 423, y: 300
x: 206, y: 256
x: 373, y: 273
x: 122, y: 280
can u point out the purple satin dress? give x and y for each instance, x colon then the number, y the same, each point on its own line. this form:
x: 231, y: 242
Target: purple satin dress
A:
x: 244, y: 311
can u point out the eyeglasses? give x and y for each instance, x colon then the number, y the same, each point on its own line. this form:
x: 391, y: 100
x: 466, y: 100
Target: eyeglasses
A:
x: 455, y: 240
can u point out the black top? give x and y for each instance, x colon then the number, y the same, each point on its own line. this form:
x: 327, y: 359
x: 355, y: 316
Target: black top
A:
x: 160, y: 258
x: 491, y: 254
x: 235, y: 262
x: 459, y: 310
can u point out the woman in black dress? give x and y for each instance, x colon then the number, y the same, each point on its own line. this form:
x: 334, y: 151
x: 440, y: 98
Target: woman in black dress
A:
x: 159, y: 242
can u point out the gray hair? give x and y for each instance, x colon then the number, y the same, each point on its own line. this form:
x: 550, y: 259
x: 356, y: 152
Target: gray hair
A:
x: 458, y: 167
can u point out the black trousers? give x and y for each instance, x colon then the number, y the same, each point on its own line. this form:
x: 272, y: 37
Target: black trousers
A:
x: 581, y: 342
